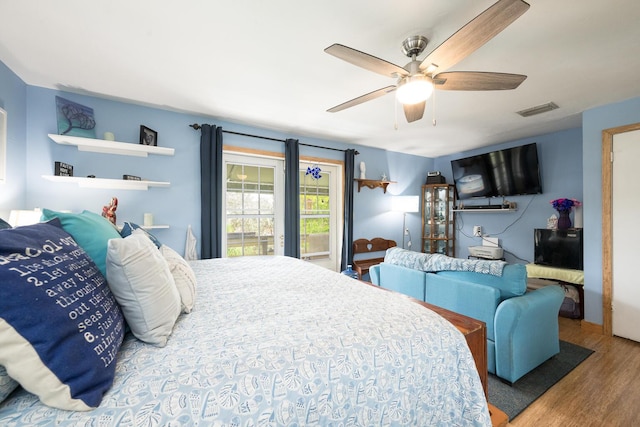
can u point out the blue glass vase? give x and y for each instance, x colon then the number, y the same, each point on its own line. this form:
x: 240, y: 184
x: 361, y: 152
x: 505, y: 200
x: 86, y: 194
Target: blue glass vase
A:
x: 350, y: 272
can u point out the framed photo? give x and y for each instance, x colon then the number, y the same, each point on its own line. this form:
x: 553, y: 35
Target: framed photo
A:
x: 74, y: 119
x: 148, y: 136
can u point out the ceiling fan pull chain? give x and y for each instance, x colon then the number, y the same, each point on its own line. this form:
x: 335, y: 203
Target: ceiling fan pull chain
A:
x: 395, y: 114
x: 433, y: 109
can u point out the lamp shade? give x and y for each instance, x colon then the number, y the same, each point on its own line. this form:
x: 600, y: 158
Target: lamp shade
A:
x: 405, y: 203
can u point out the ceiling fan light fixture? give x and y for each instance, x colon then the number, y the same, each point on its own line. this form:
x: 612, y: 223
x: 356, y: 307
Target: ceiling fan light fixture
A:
x: 414, y: 89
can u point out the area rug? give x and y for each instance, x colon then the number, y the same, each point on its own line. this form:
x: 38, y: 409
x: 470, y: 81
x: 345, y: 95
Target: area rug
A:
x: 514, y: 399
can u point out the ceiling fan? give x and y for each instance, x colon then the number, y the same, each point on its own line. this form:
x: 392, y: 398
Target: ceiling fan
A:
x: 417, y: 79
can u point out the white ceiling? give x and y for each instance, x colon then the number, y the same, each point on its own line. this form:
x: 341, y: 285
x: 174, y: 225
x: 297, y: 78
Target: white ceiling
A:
x: 262, y: 63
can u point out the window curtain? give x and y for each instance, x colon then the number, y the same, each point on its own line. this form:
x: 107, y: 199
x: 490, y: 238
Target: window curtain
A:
x: 347, y: 234
x: 211, y: 191
x: 292, y: 198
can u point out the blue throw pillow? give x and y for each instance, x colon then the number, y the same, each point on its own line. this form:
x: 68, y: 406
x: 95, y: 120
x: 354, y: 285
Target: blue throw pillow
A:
x: 4, y: 224
x: 61, y: 327
x: 90, y: 230
x: 129, y: 227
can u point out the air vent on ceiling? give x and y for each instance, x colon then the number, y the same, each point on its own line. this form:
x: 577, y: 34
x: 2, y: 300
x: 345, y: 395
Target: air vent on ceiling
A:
x: 539, y: 109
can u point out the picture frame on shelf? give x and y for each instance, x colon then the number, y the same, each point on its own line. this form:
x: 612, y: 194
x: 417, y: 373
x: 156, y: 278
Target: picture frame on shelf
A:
x: 74, y: 119
x: 148, y: 136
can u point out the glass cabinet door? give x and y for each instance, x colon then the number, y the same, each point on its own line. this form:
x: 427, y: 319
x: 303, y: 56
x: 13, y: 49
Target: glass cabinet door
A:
x: 438, y: 230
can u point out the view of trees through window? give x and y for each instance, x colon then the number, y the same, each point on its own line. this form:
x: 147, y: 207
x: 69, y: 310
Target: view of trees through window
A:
x: 250, y: 210
x: 314, y: 215
x: 251, y: 213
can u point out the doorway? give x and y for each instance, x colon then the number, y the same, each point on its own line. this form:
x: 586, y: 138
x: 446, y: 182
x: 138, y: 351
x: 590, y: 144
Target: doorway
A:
x: 617, y: 301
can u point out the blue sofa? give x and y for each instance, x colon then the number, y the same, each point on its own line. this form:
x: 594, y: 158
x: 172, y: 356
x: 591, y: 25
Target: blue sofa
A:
x: 522, y: 327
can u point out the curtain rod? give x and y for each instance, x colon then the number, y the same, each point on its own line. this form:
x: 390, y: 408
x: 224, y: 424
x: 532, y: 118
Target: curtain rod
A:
x: 196, y: 126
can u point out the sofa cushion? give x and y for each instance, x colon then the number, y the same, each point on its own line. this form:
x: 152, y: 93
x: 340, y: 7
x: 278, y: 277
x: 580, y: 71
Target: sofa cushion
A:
x: 512, y: 283
x: 60, y: 326
x: 404, y: 280
x: 464, y: 297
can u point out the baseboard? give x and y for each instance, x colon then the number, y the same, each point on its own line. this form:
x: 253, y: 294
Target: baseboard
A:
x: 591, y: 327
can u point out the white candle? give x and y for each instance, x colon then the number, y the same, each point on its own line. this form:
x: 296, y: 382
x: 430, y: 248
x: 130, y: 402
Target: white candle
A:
x: 148, y: 219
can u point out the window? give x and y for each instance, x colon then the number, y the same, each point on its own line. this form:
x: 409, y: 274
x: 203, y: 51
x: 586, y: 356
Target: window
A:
x: 254, y: 215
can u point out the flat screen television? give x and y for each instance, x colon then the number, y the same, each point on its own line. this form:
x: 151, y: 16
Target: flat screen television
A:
x: 558, y: 248
x: 509, y: 172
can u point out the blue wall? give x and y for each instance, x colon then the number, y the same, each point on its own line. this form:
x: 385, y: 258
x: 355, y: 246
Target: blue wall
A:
x: 13, y: 100
x: 560, y: 159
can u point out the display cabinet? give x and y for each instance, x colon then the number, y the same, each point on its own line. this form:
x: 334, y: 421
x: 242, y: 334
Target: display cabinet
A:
x: 438, y: 222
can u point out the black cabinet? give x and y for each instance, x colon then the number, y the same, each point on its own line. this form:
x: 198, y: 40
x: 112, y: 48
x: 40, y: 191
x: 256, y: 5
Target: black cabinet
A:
x: 558, y: 248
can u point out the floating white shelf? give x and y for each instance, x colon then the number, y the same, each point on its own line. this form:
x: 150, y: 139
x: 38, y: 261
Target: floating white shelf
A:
x: 115, y: 184
x: 148, y: 227
x: 485, y: 210
x: 111, y: 147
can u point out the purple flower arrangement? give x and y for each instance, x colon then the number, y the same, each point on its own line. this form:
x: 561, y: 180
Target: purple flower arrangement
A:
x: 564, y: 204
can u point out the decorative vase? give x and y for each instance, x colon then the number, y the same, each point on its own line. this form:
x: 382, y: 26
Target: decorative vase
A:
x: 564, y: 220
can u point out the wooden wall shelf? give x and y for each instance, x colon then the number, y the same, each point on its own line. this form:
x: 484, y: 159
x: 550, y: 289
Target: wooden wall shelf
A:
x: 373, y: 183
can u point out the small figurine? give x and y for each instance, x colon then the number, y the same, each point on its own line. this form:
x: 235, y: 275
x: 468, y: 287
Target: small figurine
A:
x: 383, y: 177
x: 109, y: 211
x: 363, y: 170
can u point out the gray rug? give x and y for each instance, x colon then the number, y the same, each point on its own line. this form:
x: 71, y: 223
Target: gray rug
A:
x: 514, y: 399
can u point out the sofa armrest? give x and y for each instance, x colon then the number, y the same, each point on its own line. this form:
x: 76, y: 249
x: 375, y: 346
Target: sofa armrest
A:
x: 527, y: 331
x: 374, y: 274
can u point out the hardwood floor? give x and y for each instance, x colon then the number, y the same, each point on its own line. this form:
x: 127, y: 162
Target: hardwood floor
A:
x: 604, y: 390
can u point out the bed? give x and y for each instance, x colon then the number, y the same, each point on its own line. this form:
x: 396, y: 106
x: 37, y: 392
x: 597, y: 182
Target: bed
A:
x: 278, y: 341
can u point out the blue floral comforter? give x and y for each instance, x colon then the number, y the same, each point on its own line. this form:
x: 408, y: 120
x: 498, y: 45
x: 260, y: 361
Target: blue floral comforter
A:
x: 275, y: 341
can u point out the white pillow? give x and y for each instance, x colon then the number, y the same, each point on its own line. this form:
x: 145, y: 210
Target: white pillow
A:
x: 140, y: 279
x: 183, y: 275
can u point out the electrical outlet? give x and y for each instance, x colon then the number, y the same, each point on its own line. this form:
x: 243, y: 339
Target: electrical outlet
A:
x: 477, y: 230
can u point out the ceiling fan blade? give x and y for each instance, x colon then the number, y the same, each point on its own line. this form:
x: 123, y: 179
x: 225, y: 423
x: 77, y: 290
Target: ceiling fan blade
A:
x: 476, y: 80
x: 473, y: 35
x: 414, y: 112
x: 364, y: 98
x: 366, y: 61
